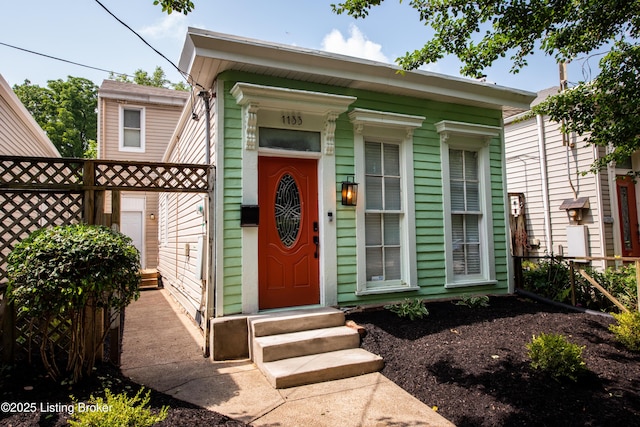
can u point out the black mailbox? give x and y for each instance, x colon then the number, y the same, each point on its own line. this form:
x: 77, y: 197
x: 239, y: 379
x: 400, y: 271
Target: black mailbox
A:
x: 249, y: 215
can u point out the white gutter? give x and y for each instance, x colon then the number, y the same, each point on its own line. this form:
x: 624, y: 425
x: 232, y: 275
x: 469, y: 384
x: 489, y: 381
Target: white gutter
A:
x: 542, y: 152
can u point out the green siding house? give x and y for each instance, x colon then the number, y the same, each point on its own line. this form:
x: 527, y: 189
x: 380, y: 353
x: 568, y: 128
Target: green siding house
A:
x: 287, y: 129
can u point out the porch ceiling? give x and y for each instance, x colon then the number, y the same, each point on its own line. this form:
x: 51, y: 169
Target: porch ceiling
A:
x: 207, y: 54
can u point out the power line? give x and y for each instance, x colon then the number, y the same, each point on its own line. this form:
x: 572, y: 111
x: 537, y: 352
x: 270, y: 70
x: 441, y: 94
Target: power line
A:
x: 63, y: 60
x: 182, y: 73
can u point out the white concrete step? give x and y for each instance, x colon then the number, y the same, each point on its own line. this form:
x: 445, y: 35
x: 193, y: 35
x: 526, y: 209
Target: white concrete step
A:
x: 294, y: 344
x: 321, y: 367
x: 294, y: 321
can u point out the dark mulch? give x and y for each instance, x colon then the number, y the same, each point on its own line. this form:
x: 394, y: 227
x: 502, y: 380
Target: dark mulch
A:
x: 46, y: 394
x: 472, y: 364
x: 469, y: 363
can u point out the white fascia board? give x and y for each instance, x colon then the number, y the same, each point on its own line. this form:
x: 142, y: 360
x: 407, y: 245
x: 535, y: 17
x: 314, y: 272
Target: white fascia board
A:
x: 355, y: 72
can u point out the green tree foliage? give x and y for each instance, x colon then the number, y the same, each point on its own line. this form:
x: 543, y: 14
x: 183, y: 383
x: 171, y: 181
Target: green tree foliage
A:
x: 606, y: 110
x: 65, y: 275
x: 180, y: 6
x: 65, y: 110
x: 157, y: 79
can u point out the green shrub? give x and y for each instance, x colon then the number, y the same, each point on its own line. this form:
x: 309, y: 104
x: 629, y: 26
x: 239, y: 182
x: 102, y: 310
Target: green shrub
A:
x: 627, y: 330
x: 621, y: 283
x: 116, y: 411
x: 474, y: 301
x: 549, y: 278
x: 412, y: 308
x: 555, y: 355
x: 66, y: 275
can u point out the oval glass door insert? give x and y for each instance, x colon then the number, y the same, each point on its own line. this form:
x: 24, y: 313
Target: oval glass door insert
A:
x: 288, y: 210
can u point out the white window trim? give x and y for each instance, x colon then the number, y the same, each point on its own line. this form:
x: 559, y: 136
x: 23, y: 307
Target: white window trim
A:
x: 473, y: 137
x: 395, y: 128
x: 121, y: 146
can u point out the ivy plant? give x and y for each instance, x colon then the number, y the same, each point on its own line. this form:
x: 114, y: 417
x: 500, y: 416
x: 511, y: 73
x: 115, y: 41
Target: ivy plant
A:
x: 70, y: 274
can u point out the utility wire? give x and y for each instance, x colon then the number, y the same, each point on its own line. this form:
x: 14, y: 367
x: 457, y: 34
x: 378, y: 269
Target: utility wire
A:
x: 182, y: 73
x: 63, y: 60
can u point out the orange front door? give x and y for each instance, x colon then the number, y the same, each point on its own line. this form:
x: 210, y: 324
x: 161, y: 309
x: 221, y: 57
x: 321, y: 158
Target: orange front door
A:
x: 288, y: 237
x: 628, y: 216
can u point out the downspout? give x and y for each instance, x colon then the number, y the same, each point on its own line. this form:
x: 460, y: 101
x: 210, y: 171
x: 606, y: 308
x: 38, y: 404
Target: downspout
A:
x: 210, y: 211
x: 542, y: 153
x: 207, y: 132
x: 603, y: 242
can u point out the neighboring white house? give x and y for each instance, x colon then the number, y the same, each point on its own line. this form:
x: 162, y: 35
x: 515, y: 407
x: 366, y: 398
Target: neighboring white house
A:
x: 565, y: 212
x: 20, y: 134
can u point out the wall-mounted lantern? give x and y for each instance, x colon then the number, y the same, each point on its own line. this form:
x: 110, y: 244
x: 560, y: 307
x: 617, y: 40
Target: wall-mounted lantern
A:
x: 349, y: 192
x: 152, y: 217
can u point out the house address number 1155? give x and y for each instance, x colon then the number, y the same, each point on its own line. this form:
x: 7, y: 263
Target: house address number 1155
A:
x: 292, y: 119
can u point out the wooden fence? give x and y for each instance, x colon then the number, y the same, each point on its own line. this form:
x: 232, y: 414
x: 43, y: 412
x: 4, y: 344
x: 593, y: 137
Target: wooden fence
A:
x: 38, y: 192
x: 577, y: 264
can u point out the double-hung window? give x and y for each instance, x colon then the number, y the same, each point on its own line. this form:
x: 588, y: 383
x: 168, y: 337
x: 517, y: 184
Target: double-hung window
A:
x: 383, y: 212
x: 385, y: 218
x: 466, y: 215
x: 468, y: 218
x: 132, y: 129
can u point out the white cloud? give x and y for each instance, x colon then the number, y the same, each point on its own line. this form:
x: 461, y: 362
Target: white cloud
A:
x: 356, y: 45
x: 172, y: 26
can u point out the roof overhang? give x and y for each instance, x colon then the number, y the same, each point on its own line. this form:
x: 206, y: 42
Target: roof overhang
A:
x: 206, y: 54
x: 135, y: 93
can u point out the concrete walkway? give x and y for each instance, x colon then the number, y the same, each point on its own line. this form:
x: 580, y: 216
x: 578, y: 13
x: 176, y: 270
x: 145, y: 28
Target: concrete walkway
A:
x: 162, y: 350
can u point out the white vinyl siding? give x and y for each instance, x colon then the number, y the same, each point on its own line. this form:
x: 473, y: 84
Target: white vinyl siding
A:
x: 563, y: 166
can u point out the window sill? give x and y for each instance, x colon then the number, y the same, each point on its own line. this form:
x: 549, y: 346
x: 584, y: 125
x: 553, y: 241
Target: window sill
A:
x: 387, y: 290
x: 131, y: 149
x: 470, y: 283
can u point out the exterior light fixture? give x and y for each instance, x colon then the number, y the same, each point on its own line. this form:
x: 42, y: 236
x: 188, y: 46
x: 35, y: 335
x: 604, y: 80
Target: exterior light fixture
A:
x: 152, y: 217
x: 349, y: 192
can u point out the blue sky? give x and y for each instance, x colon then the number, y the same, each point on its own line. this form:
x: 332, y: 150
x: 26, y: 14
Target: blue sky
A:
x: 81, y: 31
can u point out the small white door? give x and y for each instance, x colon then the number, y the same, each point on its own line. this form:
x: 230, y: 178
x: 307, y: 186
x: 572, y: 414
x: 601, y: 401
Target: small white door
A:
x: 132, y: 223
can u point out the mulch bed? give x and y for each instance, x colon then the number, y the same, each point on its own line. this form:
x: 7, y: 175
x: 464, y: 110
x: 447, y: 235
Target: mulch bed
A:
x: 469, y: 363
x: 42, y: 391
x: 472, y: 364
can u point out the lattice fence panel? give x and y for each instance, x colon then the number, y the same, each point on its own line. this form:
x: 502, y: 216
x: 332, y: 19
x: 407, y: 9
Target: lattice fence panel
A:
x: 24, y: 212
x: 21, y: 172
x: 152, y: 176
x: 39, y: 192
x: 59, y: 334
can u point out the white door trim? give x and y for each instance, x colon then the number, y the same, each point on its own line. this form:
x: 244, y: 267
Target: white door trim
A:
x: 137, y: 204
